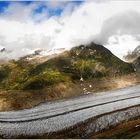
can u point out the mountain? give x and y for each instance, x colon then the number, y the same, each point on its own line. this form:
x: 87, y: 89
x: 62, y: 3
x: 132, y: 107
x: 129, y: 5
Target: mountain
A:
x: 81, y: 63
x: 136, y: 63
x: 134, y: 58
x: 2, y: 50
x: 131, y: 56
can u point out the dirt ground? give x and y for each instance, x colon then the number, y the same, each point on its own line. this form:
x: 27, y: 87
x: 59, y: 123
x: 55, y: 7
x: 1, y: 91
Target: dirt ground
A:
x: 16, y: 100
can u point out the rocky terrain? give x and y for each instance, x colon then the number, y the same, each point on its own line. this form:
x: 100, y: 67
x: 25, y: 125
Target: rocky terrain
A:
x: 134, y: 58
x: 81, y: 70
x: 131, y: 56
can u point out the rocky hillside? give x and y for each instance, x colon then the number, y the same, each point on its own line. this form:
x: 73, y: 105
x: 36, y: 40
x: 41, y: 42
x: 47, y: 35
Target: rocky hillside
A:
x: 131, y: 56
x: 136, y: 64
x: 81, y: 63
x: 134, y: 58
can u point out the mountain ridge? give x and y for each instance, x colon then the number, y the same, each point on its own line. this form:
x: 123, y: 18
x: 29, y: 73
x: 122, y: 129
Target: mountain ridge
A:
x: 81, y: 62
x: 82, y: 70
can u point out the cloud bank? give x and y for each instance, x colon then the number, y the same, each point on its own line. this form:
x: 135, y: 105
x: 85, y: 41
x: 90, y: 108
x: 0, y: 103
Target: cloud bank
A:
x: 114, y: 24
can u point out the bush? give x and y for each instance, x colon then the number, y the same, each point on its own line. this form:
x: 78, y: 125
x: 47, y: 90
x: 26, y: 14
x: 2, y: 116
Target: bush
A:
x: 86, y: 68
x: 46, y: 78
x: 4, y: 72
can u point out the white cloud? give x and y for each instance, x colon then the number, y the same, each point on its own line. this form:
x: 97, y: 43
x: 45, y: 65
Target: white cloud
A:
x: 121, y: 44
x: 114, y: 24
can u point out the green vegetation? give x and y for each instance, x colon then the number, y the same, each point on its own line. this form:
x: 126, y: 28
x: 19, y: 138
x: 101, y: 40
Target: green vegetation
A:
x: 46, y: 78
x: 84, y: 62
x: 83, y: 69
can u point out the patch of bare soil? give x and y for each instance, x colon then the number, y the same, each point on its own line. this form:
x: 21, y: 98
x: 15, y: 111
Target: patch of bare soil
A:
x: 16, y: 100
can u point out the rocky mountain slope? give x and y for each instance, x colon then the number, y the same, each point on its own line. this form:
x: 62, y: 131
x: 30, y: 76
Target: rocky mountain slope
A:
x: 82, y: 70
x: 131, y: 56
x: 79, y: 64
x: 134, y: 58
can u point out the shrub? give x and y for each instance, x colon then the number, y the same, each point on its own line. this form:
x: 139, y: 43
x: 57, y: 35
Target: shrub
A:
x: 46, y: 78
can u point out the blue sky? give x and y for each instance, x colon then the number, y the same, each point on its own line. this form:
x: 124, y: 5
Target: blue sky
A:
x: 3, y: 5
x: 51, y: 11
x: 26, y: 26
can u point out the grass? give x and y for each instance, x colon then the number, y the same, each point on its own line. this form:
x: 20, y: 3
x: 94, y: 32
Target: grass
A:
x: 21, y: 99
x: 61, y: 76
x: 46, y: 78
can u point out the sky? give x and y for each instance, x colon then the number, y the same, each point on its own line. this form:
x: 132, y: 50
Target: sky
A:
x: 26, y: 26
